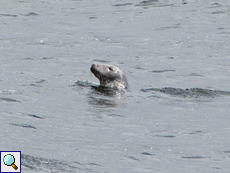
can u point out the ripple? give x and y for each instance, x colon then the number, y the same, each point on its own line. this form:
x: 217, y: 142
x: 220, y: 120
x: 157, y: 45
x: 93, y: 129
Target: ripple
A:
x: 23, y: 125
x: 192, y: 157
x: 188, y: 92
x: 54, y: 165
x: 8, y: 99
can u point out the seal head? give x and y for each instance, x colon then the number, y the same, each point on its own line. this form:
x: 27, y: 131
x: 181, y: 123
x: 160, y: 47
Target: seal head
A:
x: 109, y: 76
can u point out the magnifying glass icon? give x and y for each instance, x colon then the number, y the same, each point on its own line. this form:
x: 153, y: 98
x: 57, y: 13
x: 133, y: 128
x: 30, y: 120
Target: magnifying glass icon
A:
x: 9, y: 160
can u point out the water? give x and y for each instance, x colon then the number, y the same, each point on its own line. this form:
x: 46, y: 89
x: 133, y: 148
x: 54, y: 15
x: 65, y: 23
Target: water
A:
x: 175, y: 118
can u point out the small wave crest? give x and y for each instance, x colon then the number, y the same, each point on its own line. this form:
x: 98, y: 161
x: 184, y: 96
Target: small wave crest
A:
x: 85, y: 83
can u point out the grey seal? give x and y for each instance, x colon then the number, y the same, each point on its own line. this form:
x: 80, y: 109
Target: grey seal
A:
x: 109, y: 76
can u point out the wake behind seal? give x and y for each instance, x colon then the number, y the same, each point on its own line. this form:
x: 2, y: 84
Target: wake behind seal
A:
x: 110, y: 76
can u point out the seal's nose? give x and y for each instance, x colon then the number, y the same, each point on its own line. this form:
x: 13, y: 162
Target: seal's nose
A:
x: 93, y: 67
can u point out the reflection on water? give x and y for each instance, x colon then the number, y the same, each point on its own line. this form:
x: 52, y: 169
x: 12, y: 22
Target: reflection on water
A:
x: 101, y: 97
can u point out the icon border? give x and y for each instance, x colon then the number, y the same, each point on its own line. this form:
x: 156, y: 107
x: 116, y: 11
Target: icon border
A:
x: 3, y: 163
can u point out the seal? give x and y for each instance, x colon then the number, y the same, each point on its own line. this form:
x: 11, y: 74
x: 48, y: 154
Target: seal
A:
x: 109, y: 76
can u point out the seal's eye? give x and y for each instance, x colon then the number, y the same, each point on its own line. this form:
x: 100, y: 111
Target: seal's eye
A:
x: 110, y: 68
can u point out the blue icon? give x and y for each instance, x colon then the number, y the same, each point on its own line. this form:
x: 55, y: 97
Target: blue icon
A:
x: 9, y: 160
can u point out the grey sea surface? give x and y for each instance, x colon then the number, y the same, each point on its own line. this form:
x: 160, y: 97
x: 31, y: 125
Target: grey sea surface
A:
x: 175, y: 118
